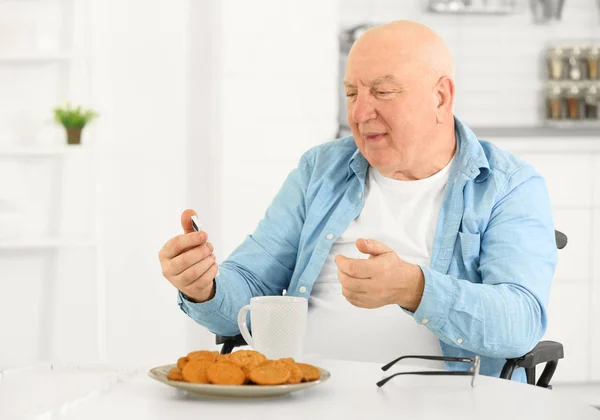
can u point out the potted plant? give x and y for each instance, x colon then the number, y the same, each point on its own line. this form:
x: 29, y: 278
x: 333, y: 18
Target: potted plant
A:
x: 73, y: 119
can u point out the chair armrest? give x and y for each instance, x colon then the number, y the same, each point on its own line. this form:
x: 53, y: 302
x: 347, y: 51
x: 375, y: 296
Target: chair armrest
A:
x: 548, y: 352
x: 544, y: 352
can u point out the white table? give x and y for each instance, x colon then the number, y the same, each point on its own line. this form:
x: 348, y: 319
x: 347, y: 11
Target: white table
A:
x: 100, y: 392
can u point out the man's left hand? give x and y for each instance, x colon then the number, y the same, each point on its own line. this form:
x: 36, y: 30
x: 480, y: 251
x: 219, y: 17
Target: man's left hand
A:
x: 383, y: 279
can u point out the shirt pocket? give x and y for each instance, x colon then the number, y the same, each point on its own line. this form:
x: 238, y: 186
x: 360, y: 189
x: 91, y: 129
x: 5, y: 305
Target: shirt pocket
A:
x: 470, y: 244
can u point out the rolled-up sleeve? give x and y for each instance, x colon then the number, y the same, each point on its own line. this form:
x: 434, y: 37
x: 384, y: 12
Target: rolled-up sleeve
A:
x: 505, y: 315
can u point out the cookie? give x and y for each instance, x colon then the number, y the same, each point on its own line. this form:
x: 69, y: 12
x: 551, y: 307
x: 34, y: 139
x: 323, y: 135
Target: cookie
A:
x: 195, y: 371
x: 271, y: 373
x: 225, y: 373
x: 224, y: 358
x: 309, y: 372
x: 247, y: 357
x: 247, y: 369
x: 203, y: 355
x: 296, y: 375
x: 295, y: 371
x: 175, y: 374
x: 181, y: 362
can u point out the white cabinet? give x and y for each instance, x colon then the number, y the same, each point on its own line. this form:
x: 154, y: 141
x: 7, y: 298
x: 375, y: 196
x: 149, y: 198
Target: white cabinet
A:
x: 570, y: 167
x: 595, y: 293
x: 48, y: 253
x: 596, y: 186
x: 568, y: 176
x: 574, y: 259
x: 569, y: 323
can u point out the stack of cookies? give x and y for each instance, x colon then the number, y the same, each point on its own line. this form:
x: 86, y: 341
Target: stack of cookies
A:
x: 243, y: 367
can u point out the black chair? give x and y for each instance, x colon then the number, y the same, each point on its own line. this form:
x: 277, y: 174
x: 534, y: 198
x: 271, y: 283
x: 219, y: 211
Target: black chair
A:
x: 548, y: 352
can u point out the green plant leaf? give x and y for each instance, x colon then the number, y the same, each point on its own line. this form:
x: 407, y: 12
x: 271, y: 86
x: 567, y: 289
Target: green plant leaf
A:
x: 71, y: 117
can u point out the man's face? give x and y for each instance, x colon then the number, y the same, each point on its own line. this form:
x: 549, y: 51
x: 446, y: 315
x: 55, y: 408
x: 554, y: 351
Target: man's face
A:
x: 391, y: 107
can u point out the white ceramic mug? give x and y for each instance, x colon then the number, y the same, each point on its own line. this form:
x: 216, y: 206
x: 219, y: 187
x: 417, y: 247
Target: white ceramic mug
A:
x: 278, y: 325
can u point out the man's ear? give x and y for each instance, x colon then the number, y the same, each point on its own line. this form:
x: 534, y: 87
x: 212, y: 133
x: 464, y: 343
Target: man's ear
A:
x: 444, y: 93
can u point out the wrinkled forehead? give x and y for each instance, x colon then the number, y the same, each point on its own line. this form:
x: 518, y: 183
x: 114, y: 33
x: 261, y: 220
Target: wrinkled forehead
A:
x: 378, y: 66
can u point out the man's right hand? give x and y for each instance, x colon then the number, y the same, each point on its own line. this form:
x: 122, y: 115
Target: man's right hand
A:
x: 188, y: 262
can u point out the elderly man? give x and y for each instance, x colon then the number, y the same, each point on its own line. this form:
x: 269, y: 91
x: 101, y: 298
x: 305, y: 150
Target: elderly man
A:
x: 409, y: 237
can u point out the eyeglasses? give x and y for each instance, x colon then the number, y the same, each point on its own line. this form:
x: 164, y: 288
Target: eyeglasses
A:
x: 473, y: 371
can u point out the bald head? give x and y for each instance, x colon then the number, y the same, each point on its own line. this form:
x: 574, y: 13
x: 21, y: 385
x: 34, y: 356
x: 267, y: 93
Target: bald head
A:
x: 414, y: 45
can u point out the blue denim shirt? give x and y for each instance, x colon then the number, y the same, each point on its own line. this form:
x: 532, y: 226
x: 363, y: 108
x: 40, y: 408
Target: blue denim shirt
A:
x: 492, y: 263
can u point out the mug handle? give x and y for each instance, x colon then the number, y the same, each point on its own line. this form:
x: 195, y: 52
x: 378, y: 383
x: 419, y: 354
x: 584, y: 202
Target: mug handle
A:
x: 242, y: 316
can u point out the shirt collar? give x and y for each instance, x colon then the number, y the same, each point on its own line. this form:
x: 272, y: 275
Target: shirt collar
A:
x: 471, y: 161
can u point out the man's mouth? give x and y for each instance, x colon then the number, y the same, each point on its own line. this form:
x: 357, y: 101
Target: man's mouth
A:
x: 374, y: 137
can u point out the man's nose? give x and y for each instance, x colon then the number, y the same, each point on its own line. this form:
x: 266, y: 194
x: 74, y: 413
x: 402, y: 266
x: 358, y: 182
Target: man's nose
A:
x: 362, y: 110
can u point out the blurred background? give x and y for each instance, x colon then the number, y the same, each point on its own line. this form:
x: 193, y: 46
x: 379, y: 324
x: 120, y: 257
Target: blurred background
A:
x: 208, y: 105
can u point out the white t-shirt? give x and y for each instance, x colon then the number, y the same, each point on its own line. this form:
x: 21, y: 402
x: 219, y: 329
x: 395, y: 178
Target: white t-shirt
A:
x: 402, y: 215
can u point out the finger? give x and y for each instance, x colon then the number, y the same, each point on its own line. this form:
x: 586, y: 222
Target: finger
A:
x: 181, y: 243
x: 353, y: 284
x: 359, y: 268
x: 194, y: 273
x: 186, y: 221
x: 355, y: 299
x: 372, y: 247
x: 188, y: 258
x: 203, y: 282
x: 360, y: 300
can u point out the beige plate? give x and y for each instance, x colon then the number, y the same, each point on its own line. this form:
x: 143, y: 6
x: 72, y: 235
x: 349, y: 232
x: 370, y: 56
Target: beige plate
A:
x: 233, y: 391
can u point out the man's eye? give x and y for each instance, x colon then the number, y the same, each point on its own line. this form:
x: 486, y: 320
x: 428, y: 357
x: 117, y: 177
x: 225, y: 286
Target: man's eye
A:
x: 381, y: 92
x: 350, y: 94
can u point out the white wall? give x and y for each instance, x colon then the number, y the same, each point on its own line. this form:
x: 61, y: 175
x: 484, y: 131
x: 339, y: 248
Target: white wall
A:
x: 263, y: 91
x: 141, y: 82
x: 279, y: 99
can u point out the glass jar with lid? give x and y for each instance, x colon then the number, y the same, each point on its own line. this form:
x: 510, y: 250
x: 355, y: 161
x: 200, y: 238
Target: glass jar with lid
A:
x: 575, y: 64
x: 593, y: 59
x: 591, y: 99
x: 555, y: 102
x: 556, y: 63
x: 574, y: 102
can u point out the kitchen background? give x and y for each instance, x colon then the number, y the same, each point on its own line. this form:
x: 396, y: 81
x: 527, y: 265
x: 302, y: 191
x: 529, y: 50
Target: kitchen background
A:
x: 209, y: 104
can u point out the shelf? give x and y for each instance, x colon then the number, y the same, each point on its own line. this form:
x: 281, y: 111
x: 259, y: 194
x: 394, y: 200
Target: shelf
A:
x: 461, y: 9
x: 34, y: 58
x: 40, y: 152
x: 18, y: 244
x: 540, y: 132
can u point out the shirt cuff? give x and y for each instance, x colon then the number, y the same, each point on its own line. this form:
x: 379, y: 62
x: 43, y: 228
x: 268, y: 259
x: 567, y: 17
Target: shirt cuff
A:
x: 200, y: 311
x: 438, y: 295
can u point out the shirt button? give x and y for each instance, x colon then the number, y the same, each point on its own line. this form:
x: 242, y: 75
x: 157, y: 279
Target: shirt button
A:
x: 330, y: 236
x: 459, y: 341
x: 424, y: 321
x: 360, y: 195
x: 302, y: 289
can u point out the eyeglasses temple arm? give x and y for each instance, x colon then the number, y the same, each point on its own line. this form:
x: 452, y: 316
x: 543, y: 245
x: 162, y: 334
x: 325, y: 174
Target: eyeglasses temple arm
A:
x: 428, y: 373
x: 443, y: 358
